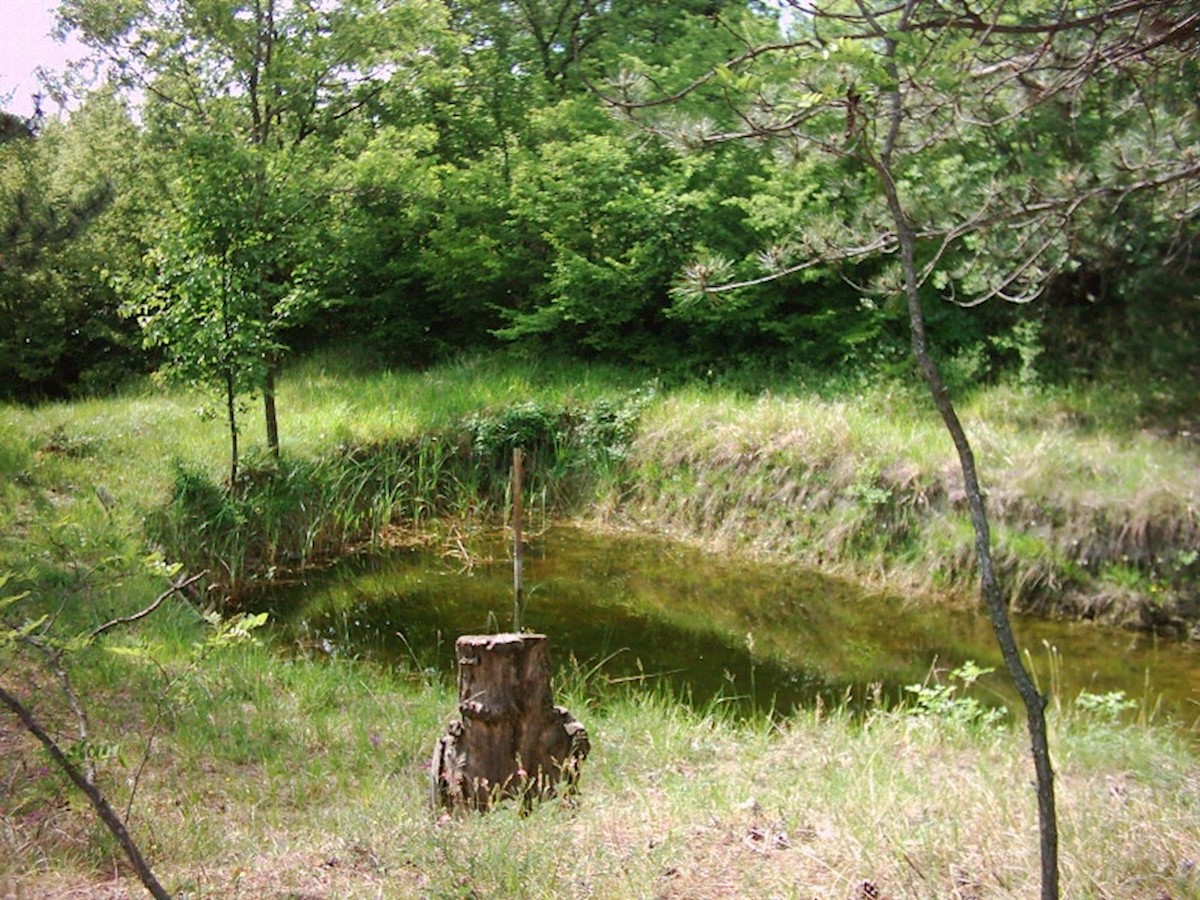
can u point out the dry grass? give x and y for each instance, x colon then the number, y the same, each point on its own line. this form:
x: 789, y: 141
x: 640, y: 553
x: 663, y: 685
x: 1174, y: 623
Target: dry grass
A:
x: 675, y: 804
x: 1091, y: 518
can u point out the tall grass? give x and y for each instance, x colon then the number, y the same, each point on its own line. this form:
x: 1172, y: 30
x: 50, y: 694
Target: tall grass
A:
x: 1096, y: 513
x: 285, y: 514
x: 361, y: 452
x: 1093, y: 516
x: 306, y: 777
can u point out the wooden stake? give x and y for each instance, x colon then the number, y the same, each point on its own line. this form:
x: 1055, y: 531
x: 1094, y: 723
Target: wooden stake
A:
x: 518, y: 545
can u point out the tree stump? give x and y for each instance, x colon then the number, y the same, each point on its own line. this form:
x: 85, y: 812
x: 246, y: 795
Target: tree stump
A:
x: 512, y: 741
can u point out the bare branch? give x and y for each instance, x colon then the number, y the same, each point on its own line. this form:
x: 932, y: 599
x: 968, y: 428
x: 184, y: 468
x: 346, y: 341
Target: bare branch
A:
x: 99, y: 803
x: 884, y: 243
x: 176, y: 588
x: 752, y: 53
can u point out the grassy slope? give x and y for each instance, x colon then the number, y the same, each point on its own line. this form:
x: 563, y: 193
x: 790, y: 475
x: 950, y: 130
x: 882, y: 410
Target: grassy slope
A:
x: 1093, y: 516
x: 273, y: 777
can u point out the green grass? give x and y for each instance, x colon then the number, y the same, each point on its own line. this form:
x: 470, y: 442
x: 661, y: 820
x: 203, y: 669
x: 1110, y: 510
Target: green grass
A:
x: 275, y: 777
x: 361, y: 451
x: 1082, y: 487
x: 258, y: 771
x: 870, y: 486
x: 327, y: 401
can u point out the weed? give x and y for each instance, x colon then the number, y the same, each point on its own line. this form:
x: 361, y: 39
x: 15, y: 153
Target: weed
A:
x: 948, y: 702
x: 1110, y: 705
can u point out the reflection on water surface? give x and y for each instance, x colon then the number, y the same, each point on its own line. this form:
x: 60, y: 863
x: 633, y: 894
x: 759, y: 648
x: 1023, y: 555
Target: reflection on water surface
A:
x: 640, y: 608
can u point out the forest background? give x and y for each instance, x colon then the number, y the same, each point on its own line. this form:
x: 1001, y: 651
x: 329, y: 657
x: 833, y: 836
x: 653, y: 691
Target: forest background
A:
x: 424, y: 181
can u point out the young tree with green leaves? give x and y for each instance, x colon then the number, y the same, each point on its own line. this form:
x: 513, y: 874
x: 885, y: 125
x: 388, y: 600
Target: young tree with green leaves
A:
x: 261, y: 95
x: 941, y: 122
x: 198, y: 298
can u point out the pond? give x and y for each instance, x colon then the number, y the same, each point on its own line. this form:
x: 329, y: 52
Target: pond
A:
x: 638, y: 608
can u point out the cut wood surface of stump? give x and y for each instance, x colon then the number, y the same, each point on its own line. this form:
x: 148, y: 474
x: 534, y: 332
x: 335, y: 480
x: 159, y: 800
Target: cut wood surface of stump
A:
x: 511, y: 740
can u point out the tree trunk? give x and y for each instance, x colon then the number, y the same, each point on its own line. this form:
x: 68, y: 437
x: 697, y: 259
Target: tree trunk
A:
x: 269, y: 408
x: 512, y: 741
x: 992, y: 594
x: 231, y: 418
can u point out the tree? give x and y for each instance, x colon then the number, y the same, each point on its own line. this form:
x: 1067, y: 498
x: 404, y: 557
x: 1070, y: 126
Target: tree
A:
x: 198, y: 298
x: 935, y: 114
x: 280, y: 83
x: 57, y: 183
x: 605, y: 225
x: 527, y: 235
x: 558, y: 44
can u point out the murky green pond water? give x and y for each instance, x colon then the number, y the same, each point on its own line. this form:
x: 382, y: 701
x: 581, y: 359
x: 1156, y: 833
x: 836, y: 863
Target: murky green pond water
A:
x: 634, y: 607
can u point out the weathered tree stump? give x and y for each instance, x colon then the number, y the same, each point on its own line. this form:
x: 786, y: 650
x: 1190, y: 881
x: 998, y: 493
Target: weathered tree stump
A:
x: 512, y: 741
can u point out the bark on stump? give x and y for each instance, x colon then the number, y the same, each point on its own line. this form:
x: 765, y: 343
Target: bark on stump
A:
x: 512, y: 741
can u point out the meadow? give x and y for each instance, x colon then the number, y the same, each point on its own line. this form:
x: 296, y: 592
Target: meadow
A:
x: 251, y: 769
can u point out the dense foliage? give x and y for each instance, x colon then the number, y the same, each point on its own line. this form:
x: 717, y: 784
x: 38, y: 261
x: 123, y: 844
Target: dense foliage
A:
x: 255, y: 178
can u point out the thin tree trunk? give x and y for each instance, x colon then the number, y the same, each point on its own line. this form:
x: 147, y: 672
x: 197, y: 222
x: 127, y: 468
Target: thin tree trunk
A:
x: 993, y: 597
x: 231, y: 413
x: 103, y: 809
x: 269, y: 407
x: 230, y: 376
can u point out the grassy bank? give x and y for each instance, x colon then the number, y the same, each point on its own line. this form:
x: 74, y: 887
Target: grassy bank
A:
x: 1096, y: 508
x: 251, y: 771
x: 1094, y: 515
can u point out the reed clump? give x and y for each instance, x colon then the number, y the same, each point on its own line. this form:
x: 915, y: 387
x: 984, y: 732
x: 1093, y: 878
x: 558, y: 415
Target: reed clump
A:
x: 284, y: 515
